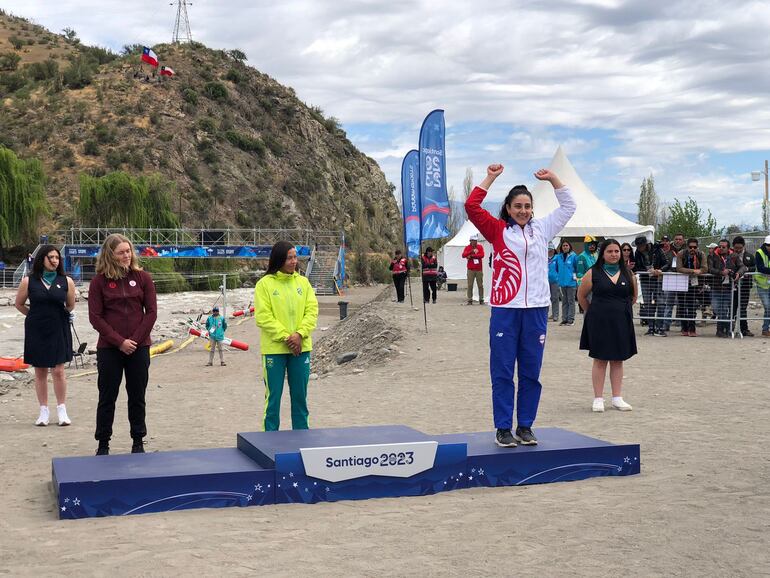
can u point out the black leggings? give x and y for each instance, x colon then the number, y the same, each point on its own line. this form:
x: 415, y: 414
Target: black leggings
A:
x: 428, y: 285
x: 111, y: 364
x: 398, y: 281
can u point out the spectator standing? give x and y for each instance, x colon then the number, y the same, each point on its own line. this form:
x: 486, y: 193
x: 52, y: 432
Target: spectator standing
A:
x: 643, y: 267
x: 566, y: 261
x: 474, y: 256
x: 692, y: 262
x: 399, y: 266
x: 663, y: 262
x: 744, y: 263
x: 762, y: 262
x: 722, y: 275
x: 553, y: 282
x: 627, y: 253
x: 429, y: 273
x: 587, y: 258
x: 216, y: 325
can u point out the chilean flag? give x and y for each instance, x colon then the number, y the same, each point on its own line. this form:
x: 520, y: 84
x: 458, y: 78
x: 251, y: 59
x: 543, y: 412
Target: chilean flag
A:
x: 167, y: 71
x: 149, y: 56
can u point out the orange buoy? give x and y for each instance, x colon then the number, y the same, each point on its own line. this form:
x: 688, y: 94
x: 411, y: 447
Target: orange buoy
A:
x: 12, y: 364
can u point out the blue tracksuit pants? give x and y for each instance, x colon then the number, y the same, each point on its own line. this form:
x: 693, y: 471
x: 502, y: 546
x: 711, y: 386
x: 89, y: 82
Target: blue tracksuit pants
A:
x: 516, y: 336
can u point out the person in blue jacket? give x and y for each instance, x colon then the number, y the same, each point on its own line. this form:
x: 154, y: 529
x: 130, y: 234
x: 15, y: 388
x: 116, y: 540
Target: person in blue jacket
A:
x: 553, y: 282
x: 216, y: 325
x: 566, y: 266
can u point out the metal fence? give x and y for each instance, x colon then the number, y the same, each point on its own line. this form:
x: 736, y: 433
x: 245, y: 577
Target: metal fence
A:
x: 753, y: 240
x: 203, y: 237
x: 687, y: 303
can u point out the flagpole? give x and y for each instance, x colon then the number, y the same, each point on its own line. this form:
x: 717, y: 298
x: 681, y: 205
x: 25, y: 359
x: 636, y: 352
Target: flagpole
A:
x: 406, y: 255
x: 409, y: 279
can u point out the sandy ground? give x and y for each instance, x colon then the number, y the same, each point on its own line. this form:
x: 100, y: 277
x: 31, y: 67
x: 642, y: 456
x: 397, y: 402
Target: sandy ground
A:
x: 701, y: 506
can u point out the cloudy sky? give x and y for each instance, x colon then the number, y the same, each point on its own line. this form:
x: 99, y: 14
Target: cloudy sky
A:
x: 677, y: 89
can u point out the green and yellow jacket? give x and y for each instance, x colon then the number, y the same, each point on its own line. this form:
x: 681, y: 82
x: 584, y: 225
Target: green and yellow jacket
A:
x: 284, y: 304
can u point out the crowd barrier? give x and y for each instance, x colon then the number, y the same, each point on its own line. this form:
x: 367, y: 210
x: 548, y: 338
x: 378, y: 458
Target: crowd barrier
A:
x: 676, y: 301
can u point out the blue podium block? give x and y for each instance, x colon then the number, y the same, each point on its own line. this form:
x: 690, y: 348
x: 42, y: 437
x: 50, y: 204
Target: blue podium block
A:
x: 124, y: 484
x: 281, y: 450
x: 560, y: 456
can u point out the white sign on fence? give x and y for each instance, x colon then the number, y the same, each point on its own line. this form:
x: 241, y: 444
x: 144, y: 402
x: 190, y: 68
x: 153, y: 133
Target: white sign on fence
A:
x: 335, y: 464
x: 676, y: 282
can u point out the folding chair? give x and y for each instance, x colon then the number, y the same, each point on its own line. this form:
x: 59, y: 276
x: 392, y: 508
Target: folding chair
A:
x: 79, y: 355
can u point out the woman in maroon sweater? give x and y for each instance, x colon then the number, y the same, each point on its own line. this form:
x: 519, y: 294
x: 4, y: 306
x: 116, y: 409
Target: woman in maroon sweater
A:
x: 122, y: 308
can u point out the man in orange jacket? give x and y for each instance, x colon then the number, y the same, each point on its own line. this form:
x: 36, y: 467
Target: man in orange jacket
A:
x: 474, y: 253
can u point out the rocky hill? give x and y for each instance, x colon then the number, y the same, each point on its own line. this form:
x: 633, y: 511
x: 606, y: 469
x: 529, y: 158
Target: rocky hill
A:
x: 242, y: 149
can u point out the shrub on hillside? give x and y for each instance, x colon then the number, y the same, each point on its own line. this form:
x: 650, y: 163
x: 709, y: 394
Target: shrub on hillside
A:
x: 45, y: 70
x: 9, y: 61
x: 215, y: 91
x: 245, y: 142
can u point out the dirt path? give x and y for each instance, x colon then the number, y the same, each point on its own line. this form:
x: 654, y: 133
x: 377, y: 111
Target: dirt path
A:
x: 700, y: 507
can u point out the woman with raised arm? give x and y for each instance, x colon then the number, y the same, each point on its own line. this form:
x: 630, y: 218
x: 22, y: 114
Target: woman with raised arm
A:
x: 520, y: 297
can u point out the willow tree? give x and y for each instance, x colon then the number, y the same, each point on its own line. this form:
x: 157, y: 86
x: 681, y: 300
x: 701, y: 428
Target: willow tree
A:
x: 120, y: 200
x: 22, y: 198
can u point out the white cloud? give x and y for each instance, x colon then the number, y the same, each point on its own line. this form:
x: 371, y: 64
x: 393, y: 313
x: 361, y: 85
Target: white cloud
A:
x: 675, y: 82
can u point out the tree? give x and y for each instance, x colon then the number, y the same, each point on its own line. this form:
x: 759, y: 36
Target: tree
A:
x: 456, y: 215
x: 468, y: 183
x: 648, y: 203
x: 690, y: 220
x: 71, y: 35
x: 22, y: 198
x: 237, y: 55
x: 119, y: 200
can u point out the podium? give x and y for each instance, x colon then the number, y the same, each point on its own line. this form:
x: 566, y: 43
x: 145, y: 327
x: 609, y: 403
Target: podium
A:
x: 326, y: 465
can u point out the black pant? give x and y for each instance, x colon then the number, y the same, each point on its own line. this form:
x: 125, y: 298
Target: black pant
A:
x: 111, y: 364
x: 428, y: 285
x: 688, y: 308
x: 398, y: 281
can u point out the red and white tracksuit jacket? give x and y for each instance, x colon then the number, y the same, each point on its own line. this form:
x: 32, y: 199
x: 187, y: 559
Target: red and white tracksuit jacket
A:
x: 520, y: 263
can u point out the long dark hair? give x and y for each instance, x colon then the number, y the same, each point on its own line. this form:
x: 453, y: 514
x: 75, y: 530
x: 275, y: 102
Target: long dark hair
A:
x: 622, y: 262
x: 512, y: 194
x: 562, y: 252
x: 278, y: 255
x: 37, y: 265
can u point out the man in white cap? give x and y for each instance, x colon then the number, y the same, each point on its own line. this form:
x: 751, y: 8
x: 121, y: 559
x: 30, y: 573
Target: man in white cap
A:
x: 474, y: 254
x: 762, y: 282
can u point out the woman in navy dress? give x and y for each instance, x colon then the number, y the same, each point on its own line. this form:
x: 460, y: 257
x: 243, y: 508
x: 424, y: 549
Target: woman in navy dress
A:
x: 608, y: 326
x: 47, y: 335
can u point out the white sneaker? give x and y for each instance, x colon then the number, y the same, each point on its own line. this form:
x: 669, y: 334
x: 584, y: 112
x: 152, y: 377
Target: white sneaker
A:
x: 63, y: 417
x: 42, y: 419
x: 598, y: 404
x: 621, y: 405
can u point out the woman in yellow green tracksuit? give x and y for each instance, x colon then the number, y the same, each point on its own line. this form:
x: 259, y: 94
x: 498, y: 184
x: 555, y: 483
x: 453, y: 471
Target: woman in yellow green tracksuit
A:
x: 286, y: 311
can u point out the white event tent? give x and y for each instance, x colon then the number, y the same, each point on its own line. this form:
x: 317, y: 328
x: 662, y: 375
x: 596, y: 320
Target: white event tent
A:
x: 592, y: 217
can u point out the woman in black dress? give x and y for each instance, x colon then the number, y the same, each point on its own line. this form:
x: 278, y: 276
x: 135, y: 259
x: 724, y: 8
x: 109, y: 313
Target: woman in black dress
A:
x: 608, y: 327
x: 47, y: 336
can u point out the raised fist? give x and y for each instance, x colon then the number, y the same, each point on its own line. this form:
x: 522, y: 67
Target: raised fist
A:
x: 495, y: 171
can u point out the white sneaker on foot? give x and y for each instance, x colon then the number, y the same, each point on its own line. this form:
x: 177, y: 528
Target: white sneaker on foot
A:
x: 621, y: 405
x: 63, y: 417
x: 42, y: 419
x: 598, y: 404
